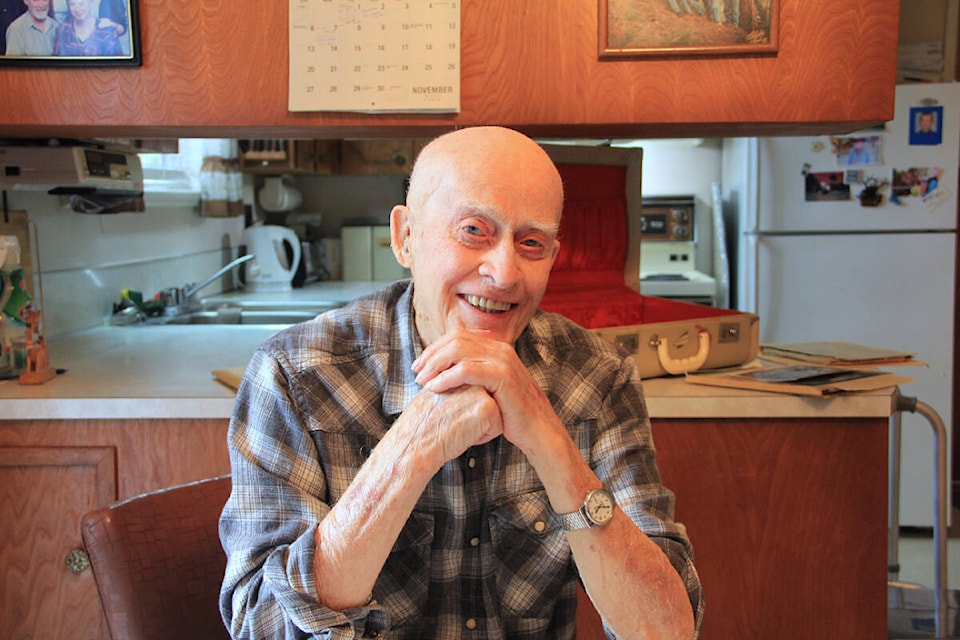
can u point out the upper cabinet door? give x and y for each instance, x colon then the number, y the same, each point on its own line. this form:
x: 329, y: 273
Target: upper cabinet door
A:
x: 220, y: 68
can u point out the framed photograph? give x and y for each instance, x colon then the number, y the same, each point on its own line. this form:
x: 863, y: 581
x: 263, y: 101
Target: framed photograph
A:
x: 637, y: 28
x: 66, y: 33
x: 926, y: 125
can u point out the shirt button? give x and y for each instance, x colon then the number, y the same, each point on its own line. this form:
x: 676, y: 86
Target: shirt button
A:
x: 539, y: 526
x: 471, y: 624
x: 472, y: 462
x: 474, y: 542
x: 373, y: 633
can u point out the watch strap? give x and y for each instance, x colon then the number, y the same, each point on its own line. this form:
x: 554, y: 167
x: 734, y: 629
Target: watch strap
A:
x: 573, y: 521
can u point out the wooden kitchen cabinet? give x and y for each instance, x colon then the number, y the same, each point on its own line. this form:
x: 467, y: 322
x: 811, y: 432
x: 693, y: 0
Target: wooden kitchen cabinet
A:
x: 380, y: 157
x: 280, y: 156
x: 52, y: 472
x: 46, y: 491
x: 787, y: 518
x: 221, y: 68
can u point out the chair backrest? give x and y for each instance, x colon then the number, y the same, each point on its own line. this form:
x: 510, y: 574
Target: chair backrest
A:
x: 158, y: 562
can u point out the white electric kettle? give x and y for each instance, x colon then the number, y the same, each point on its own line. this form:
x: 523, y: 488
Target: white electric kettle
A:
x: 270, y: 269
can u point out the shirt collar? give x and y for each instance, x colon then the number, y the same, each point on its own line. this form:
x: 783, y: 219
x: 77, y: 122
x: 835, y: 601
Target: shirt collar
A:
x: 401, y: 385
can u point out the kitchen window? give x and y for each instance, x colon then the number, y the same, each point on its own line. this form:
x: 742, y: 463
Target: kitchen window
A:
x: 174, y: 178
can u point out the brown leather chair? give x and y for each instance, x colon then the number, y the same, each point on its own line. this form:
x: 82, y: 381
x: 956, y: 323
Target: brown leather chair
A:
x: 158, y: 562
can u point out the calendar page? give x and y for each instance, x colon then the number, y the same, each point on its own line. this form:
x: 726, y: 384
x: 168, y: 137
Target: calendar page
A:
x: 375, y: 55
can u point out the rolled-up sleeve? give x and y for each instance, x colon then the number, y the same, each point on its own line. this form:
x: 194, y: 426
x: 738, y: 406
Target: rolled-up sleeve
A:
x: 624, y: 457
x: 268, y: 525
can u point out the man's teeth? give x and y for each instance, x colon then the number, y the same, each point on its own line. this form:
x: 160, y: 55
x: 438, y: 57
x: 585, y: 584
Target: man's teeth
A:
x: 487, y: 305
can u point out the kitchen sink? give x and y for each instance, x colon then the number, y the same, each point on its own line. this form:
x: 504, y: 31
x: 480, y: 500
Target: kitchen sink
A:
x: 237, y: 315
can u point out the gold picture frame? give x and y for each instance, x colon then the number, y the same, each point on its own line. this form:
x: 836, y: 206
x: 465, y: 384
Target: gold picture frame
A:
x: 640, y: 28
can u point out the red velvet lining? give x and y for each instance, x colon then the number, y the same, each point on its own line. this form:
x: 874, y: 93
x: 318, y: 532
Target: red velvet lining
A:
x: 596, y: 307
x: 593, y: 230
x: 586, y: 284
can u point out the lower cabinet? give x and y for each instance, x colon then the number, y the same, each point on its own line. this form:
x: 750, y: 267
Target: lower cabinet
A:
x: 51, y: 473
x: 788, y: 520
x: 46, y: 490
x: 788, y: 517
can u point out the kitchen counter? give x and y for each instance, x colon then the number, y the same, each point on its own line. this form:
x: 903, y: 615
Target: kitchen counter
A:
x: 165, y: 372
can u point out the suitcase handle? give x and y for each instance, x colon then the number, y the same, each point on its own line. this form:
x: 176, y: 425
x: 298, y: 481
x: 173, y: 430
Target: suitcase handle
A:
x: 676, y: 366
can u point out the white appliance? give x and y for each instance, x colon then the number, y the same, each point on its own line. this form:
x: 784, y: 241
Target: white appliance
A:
x: 367, y: 254
x: 71, y: 169
x: 276, y: 254
x: 668, y: 252
x: 814, y: 264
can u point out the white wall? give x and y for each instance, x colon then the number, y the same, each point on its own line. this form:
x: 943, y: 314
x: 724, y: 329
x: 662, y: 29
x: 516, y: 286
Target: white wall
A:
x: 83, y: 261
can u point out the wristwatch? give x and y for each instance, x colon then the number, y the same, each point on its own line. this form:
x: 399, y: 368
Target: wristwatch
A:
x: 597, y: 509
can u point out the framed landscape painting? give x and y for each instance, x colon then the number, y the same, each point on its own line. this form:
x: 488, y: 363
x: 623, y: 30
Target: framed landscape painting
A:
x: 637, y: 28
x: 79, y: 33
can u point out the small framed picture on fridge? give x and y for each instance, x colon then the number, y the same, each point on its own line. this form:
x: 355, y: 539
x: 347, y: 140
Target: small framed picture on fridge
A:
x: 926, y: 125
x: 69, y: 33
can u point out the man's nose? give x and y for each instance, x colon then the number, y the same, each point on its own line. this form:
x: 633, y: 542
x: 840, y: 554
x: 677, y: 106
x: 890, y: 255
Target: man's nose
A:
x: 502, y: 264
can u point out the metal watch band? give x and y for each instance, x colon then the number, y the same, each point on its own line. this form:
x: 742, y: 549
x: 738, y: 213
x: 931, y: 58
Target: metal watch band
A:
x: 572, y: 521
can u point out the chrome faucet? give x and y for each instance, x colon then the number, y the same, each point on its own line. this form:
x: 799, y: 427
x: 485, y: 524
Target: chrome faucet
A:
x: 177, y: 300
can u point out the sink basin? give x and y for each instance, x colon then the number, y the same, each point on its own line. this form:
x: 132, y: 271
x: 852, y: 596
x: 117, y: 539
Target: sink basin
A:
x: 236, y: 315
x: 277, y: 313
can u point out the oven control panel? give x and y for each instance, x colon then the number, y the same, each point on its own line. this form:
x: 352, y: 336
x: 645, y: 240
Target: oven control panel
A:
x: 667, y: 220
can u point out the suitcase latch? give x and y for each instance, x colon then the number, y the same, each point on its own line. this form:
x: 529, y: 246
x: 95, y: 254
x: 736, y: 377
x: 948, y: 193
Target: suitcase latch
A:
x: 729, y: 332
x: 628, y: 342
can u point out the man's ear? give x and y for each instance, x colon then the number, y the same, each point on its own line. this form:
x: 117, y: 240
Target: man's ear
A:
x: 400, y: 234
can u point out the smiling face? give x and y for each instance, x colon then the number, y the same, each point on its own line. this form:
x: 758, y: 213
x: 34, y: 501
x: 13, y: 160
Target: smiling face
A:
x: 479, y: 232
x: 81, y: 10
x: 38, y: 9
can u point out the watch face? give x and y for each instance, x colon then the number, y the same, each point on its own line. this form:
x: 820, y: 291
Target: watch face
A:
x: 600, y: 506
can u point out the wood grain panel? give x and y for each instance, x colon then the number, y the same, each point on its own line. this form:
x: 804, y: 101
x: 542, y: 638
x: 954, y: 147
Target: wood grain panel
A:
x: 151, y: 454
x: 220, y: 68
x: 46, y: 490
x: 787, y: 518
x: 788, y: 522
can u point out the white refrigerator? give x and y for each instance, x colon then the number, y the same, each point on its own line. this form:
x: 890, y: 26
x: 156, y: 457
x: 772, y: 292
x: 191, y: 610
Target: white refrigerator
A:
x: 816, y: 264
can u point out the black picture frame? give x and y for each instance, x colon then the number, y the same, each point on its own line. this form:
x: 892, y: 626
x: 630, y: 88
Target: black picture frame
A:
x: 110, y: 43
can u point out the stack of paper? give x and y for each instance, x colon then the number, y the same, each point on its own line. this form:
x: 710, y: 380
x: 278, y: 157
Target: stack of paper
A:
x: 836, y: 354
x: 804, y: 380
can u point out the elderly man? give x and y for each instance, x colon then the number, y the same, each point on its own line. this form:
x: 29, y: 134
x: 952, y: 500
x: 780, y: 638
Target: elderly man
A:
x: 34, y: 33
x: 443, y: 460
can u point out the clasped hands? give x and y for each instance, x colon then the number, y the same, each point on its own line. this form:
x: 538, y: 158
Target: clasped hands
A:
x: 474, y: 389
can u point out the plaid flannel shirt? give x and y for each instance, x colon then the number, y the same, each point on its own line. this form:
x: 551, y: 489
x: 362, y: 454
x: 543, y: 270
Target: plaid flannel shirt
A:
x: 481, y: 556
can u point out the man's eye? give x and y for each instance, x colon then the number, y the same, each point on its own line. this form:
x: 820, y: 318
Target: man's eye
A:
x: 530, y: 242
x: 473, y: 229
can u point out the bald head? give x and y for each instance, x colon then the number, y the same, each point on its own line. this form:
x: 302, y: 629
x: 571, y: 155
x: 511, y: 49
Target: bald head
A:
x: 484, y: 155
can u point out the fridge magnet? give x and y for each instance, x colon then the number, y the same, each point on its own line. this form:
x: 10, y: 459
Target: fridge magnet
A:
x: 825, y: 186
x: 935, y: 198
x: 926, y: 125
x: 870, y: 195
x: 853, y: 176
x: 916, y: 181
x: 70, y: 33
x: 850, y: 151
x: 637, y: 28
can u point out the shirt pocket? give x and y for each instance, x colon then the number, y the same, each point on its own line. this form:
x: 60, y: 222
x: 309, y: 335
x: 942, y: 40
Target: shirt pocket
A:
x: 532, y: 555
x: 404, y: 582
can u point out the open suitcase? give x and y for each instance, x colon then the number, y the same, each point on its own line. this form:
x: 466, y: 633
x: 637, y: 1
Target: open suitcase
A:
x: 596, y: 278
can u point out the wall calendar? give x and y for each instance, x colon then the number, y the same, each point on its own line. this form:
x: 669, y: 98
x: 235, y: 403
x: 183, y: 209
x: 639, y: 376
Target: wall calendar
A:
x: 375, y: 55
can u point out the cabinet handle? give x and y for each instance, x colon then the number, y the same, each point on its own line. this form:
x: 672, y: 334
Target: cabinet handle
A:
x: 77, y: 561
